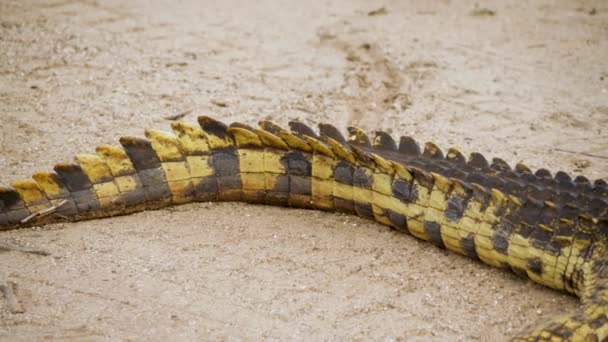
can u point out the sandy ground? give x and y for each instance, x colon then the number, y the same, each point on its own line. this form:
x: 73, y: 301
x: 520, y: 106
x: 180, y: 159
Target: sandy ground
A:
x: 523, y: 83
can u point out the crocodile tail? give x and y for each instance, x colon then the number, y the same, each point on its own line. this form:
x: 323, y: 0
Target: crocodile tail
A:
x: 213, y: 161
x: 588, y: 322
x: 538, y: 225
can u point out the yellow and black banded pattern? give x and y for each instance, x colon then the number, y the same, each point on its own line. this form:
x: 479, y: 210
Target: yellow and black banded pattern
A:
x: 551, y: 229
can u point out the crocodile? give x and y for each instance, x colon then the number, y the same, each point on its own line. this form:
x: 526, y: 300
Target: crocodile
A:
x: 550, y: 228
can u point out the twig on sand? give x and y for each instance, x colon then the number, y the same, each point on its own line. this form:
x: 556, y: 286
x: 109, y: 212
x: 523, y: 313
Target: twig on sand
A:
x: 178, y: 115
x: 581, y: 153
x: 8, y: 247
x: 45, y: 212
x: 8, y: 289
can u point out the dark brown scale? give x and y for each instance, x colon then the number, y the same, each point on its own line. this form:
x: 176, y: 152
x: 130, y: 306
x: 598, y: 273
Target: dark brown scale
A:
x: 535, y: 265
x: 501, y: 237
x: 543, y: 174
x: 330, y: 131
x: 409, y: 147
x: 597, y: 207
x: 468, y: 246
x: 300, y: 128
x: 433, y: 231
x: 569, y: 211
x: 270, y: 127
x: 140, y: 152
x: 343, y: 172
x: 528, y: 178
x: 404, y: 190
x: 12, y: 208
x: 9, y: 199
x: 214, y: 127
x: 364, y: 210
x: 455, y: 173
x: 73, y: 177
x: 149, y: 172
x: 478, y: 161
x: 600, y: 184
x: 456, y: 207
x: 398, y: 221
x: 499, y: 165
x: 562, y: 177
x: 583, y: 184
x: 384, y: 141
x: 482, y: 195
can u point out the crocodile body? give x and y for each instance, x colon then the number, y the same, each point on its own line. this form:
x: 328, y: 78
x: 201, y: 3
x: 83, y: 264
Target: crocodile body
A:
x: 551, y: 229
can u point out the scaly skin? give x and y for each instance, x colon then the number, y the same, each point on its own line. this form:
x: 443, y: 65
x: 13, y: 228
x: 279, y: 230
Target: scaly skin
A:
x: 553, y: 230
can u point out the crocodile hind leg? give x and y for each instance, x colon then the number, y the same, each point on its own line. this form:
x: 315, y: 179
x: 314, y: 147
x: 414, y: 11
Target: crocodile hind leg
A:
x: 589, y: 322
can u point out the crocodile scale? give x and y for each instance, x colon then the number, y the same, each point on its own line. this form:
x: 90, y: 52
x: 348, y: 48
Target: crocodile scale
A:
x: 552, y: 229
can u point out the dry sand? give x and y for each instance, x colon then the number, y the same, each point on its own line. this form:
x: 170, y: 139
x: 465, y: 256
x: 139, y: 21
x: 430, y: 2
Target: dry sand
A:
x: 523, y: 82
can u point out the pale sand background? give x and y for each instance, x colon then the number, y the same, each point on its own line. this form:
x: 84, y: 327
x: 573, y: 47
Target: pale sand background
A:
x: 518, y: 84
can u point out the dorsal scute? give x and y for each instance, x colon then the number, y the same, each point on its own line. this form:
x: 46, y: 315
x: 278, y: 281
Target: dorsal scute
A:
x: 117, y: 160
x: 94, y: 167
x: 329, y: 131
x: 402, y: 171
x: 382, y: 164
x: 240, y: 125
x: 481, y: 194
x: 73, y: 177
x: 9, y: 198
x: 478, y: 161
x: 500, y: 165
x: 245, y: 137
x: 50, y: 184
x: 423, y: 177
x: 461, y: 188
x: 362, y: 157
x: 29, y: 191
x: 384, y: 141
x: 140, y: 152
x: 165, y: 144
x: 522, y: 169
x: 270, y: 126
x: 216, y: 133
x: 408, y: 146
x: 456, y: 156
x: 544, y: 174
x: 271, y: 140
x: 295, y: 142
x: 340, y: 150
x: 291, y: 140
x: 582, y: 181
x: 498, y: 197
x: 300, y: 128
x: 442, y: 183
x: 600, y: 187
x: 191, y: 138
x: 319, y: 147
x: 432, y: 151
x: 562, y: 177
x: 358, y: 137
